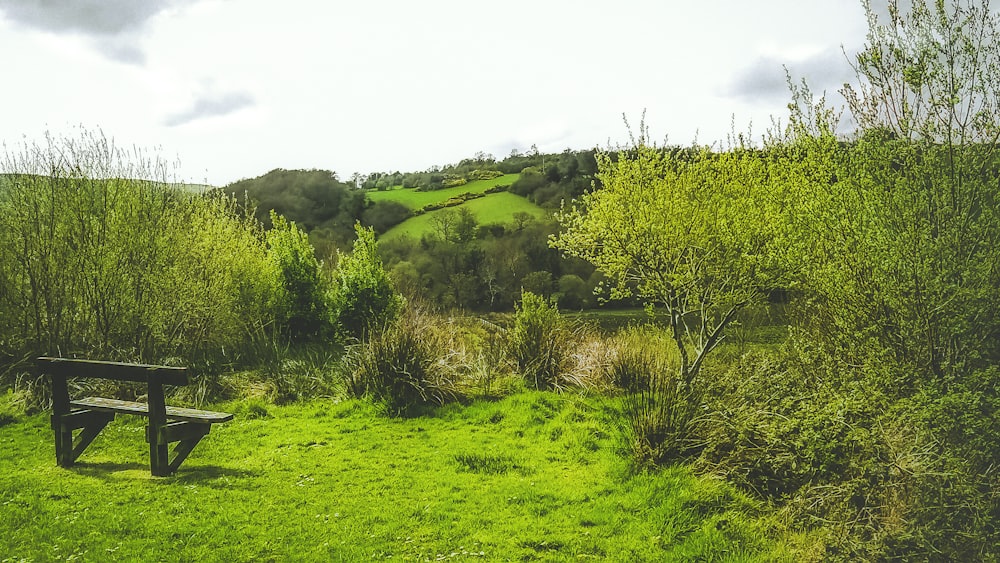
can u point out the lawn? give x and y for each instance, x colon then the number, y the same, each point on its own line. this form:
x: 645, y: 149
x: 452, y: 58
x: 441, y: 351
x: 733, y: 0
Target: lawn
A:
x: 499, y: 207
x: 533, y: 477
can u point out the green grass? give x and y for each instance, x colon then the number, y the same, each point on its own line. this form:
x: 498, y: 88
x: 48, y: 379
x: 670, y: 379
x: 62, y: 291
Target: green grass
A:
x: 534, y: 477
x: 493, y: 208
x: 413, y: 199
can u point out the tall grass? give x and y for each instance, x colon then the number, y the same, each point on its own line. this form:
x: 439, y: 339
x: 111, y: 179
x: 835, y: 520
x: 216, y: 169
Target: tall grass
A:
x: 404, y: 366
x: 659, y: 410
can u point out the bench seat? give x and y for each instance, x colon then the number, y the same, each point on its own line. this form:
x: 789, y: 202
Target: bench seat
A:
x: 166, y: 425
x: 142, y: 409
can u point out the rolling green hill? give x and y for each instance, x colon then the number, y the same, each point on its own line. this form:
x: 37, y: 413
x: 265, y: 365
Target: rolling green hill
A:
x: 493, y: 208
x: 498, y: 207
x: 415, y: 200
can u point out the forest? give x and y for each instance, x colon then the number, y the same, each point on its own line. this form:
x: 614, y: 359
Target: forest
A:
x: 813, y: 319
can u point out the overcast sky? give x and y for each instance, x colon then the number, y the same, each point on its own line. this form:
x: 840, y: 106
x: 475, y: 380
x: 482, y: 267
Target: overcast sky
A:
x: 235, y: 88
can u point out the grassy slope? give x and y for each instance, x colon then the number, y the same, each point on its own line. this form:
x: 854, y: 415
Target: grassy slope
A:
x: 415, y: 200
x: 493, y: 208
x: 533, y: 477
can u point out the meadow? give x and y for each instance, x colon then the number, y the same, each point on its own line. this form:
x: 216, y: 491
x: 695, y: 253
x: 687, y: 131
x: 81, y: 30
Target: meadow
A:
x: 495, y: 208
x: 492, y: 208
x: 414, y: 199
x: 532, y: 477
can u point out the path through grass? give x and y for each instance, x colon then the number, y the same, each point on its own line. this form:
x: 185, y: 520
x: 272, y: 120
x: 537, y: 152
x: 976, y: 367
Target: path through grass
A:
x: 532, y: 477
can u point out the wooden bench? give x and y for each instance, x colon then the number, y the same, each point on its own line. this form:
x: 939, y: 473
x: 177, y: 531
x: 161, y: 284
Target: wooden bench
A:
x: 90, y: 415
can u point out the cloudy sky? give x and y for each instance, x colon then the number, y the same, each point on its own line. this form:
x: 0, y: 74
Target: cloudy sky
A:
x: 234, y: 88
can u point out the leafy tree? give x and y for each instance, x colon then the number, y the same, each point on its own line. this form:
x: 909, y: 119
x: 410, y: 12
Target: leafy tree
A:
x: 302, y: 305
x: 315, y: 199
x: 691, y: 235
x: 102, y: 256
x: 908, y: 251
x: 383, y: 215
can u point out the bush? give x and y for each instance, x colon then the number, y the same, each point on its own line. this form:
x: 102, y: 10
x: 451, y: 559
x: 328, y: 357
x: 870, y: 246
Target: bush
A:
x: 659, y: 411
x: 95, y: 262
x: 401, y: 366
x: 891, y: 479
x: 363, y: 297
x: 541, y: 342
x: 384, y: 215
x: 452, y: 180
x: 484, y: 174
x: 302, y: 306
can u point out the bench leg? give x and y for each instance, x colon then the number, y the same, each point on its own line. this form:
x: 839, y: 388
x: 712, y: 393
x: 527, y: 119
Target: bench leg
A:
x: 186, y: 434
x: 91, y: 423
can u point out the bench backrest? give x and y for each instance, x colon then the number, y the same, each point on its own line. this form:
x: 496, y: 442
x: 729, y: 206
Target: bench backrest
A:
x: 139, y: 373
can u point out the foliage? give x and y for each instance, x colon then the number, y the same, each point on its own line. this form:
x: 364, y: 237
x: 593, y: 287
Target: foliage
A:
x: 98, y: 260
x: 383, y: 215
x: 552, y: 179
x: 904, y: 235
x: 316, y: 200
x: 401, y: 367
x: 302, y: 305
x: 484, y: 269
x: 687, y: 230
x: 363, y: 298
x: 541, y: 342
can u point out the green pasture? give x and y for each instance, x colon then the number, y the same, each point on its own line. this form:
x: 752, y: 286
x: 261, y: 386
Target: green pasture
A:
x: 414, y: 199
x: 499, y: 207
x: 534, y: 477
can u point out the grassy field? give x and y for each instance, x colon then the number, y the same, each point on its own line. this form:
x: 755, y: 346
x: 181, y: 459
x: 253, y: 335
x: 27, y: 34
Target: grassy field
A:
x: 493, y: 208
x: 498, y: 207
x: 413, y: 199
x: 534, y: 477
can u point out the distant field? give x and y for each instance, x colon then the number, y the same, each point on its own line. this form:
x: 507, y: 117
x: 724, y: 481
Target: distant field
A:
x: 413, y: 199
x: 494, y: 208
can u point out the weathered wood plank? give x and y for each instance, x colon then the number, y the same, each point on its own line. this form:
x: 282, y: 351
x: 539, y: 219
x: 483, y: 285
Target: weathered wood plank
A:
x: 142, y: 409
x: 117, y: 371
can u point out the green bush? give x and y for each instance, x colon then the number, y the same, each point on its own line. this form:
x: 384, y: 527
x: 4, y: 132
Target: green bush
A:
x: 401, y: 366
x: 97, y: 263
x: 302, y: 304
x: 480, y: 174
x: 363, y: 298
x: 541, y: 342
x: 890, y: 479
x: 452, y: 180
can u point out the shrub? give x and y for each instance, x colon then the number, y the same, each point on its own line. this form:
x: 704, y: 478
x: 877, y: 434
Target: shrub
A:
x: 891, y: 479
x: 541, y: 342
x: 363, y: 297
x: 452, y: 180
x: 659, y: 411
x: 302, y: 306
x: 401, y: 366
x: 98, y: 263
x: 480, y: 174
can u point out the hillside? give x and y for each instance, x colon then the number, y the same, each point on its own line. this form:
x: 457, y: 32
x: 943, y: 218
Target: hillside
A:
x: 497, y: 207
x: 414, y: 199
